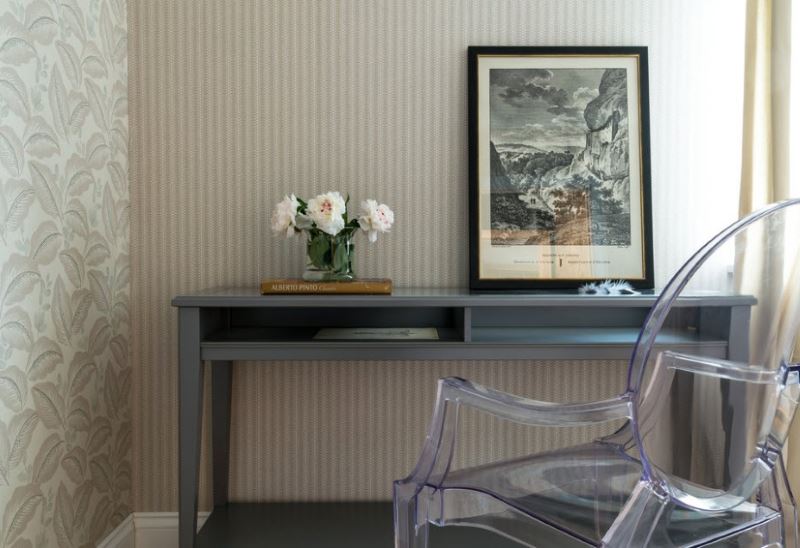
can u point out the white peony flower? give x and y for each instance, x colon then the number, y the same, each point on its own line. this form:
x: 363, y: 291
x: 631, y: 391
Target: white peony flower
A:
x: 284, y: 216
x: 327, y: 210
x: 375, y: 218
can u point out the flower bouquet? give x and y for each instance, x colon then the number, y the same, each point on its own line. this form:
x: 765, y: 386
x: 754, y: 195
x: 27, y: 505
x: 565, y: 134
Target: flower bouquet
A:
x: 329, y: 231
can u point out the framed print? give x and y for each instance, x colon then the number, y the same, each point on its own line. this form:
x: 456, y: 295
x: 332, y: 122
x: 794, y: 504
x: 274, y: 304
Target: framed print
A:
x: 559, y: 167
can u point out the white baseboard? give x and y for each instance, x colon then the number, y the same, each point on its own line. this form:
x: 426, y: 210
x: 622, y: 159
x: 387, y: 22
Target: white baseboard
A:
x: 148, y: 530
x: 121, y: 537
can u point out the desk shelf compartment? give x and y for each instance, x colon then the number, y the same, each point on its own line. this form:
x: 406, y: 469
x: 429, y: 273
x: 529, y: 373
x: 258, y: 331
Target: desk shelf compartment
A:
x: 294, y: 324
x: 465, y: 333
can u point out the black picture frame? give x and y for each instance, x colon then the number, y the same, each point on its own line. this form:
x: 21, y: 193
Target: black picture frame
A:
x: 645, y: 249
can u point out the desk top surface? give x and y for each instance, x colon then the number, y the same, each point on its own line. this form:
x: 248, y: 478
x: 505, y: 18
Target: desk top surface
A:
x: 228, y: 297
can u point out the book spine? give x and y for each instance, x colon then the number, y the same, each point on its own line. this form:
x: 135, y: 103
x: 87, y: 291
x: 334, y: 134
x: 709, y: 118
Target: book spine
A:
x: 311, y: 288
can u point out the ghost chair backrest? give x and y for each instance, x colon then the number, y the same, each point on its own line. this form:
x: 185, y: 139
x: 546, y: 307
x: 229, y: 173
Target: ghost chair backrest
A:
x: 710, y: 419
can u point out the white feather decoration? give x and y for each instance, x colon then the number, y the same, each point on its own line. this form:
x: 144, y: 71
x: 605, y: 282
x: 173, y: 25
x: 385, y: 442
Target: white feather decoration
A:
x: 608, y: 287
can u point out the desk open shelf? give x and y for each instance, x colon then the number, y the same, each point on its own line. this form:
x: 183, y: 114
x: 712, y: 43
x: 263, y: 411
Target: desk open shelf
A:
x: 486, y: 343
x: 324, y: 525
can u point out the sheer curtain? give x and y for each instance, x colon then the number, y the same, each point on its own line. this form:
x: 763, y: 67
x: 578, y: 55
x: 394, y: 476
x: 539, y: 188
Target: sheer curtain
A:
x: 771, y: 131
x: 794, y: 189
x: 765, y: 143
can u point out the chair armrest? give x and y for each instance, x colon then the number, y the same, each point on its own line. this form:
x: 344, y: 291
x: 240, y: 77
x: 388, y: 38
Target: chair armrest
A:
x: 723, y: 369
x: 533, y: 412
x: 453, y: 392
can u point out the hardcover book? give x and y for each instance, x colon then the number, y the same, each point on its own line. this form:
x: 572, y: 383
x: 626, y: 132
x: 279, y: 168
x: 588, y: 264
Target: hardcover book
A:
x: 291, y: 286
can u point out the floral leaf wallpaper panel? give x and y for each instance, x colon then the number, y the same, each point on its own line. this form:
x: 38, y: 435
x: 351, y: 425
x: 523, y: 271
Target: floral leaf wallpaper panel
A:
x: 65, y: 418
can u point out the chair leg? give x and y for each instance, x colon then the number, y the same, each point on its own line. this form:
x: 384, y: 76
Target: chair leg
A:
x: 638, y: 519
x: 410, y: 516
x: 788, y: 505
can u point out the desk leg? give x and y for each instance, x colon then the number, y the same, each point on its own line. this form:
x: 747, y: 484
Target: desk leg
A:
x: 221, y: 427
x: 190, y: 412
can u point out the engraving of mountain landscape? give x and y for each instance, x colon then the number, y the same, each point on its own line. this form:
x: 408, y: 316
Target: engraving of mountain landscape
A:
x: 559, y: 157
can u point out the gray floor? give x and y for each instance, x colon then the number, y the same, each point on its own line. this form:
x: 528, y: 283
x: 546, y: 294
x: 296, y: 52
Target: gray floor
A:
x: 324, y: 525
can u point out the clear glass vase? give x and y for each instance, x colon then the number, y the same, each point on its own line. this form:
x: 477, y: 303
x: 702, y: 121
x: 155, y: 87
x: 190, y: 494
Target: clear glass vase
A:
x: 329, y: 258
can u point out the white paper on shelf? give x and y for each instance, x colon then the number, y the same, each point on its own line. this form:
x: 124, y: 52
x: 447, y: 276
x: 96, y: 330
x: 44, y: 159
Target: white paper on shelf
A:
x: 367, y: 333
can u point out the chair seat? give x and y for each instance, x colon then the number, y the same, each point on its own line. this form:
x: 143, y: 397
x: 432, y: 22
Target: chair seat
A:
x: 576, y: 494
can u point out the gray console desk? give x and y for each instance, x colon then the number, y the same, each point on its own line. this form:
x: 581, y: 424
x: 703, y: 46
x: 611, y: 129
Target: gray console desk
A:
x: 224, y: 325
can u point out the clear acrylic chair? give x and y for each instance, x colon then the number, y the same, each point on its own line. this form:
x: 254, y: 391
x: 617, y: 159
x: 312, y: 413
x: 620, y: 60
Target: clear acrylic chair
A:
x: 698, y: 459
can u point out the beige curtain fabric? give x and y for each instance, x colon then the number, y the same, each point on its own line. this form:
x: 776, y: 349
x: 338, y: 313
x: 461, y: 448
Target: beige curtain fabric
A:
x: 765, y: 143
x: 766, y: 137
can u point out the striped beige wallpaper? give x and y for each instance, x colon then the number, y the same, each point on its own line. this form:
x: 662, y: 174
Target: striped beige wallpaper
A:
x: 233, y: 104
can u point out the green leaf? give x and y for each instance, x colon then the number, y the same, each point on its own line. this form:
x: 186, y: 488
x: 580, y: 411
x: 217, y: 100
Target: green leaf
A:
x: 318, y: 248
x: 341, y: 258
